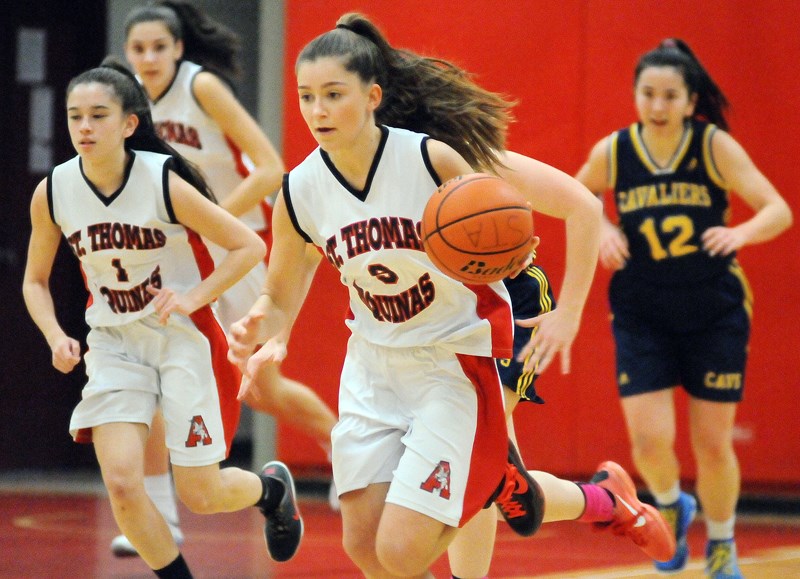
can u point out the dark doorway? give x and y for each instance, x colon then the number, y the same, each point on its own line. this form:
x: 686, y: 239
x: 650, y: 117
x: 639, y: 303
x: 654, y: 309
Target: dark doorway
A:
x: 43, y: 44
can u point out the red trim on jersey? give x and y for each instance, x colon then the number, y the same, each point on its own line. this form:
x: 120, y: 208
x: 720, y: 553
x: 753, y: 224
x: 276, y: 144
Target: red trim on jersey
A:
x: 205, y: 264
x: 497, y: 311
x: 266, y: 233
x: 238, y: 161
x: 90, y: 299
x: 227, y: 375
x: 490, y: 447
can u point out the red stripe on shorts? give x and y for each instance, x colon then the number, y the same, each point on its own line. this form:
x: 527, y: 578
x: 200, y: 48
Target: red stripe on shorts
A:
x: 497, y: 311
x: 490, y: 447
x: 227, y: 375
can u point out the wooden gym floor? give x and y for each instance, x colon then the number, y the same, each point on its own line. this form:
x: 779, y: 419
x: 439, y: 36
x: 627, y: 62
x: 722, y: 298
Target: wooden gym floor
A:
x: 60, y: 527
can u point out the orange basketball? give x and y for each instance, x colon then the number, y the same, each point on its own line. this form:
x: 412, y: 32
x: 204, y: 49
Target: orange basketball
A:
x: 477, y: 228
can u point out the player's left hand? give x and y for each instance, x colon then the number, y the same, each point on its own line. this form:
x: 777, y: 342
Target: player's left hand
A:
x: 555, y: 332
x: 167, y: 301
x: 722, y: 240
x: 272, y: 352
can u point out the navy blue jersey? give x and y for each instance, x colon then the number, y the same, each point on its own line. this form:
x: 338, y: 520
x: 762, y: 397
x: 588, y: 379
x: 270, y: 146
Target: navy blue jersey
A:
x: 664, y: 211
x: 531, y: 295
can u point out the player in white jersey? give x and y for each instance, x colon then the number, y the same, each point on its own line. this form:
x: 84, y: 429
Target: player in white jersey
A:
x: 133, y: 212
x: 421, y: 432
x: 186, y: 62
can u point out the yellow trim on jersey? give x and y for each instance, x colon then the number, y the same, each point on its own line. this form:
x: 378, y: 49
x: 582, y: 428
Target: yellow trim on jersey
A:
x: 647, y: 160
x: 545, y: 303
x: 708, y: 158
x: 526, y: 378
x: 612, y: 160
x: 737, y: 270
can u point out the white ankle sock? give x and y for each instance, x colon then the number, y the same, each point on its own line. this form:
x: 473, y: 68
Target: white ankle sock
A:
x: 159, y: 489
x: 720, y: 530
x: 670, y: 496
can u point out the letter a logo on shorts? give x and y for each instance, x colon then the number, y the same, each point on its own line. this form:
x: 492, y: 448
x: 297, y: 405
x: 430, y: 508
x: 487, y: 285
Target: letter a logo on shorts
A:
x: 438, y: 482
x: 198, y: 433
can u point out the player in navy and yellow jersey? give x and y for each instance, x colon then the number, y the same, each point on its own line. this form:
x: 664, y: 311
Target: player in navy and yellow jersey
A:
x: 135, y: 213
x: 680, y: 302
x: 531, y: 295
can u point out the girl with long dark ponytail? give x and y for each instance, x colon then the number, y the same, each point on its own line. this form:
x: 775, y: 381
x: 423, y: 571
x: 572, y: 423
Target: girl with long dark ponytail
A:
x: 138, y: 227
x: 680, y: 301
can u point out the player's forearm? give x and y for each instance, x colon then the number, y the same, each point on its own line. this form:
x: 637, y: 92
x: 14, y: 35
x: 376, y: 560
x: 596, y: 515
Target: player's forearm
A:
x: 583, y: 245
x: 39, y: 303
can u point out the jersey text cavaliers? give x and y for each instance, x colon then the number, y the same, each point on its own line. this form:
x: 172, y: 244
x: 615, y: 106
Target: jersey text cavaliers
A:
x: 663, y: 194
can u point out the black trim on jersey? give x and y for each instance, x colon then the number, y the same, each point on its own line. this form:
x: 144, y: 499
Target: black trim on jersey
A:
x: 360, y: 195
x: 110, y: 199
x: 426, y: 158
x: 165, y: 189
x: 287, y: 198
x: 50, y: 195
x: 169, y: 86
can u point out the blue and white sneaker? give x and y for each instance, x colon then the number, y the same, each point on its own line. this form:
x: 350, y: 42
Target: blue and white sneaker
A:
x: 679, y: 515
x: 721, y: 560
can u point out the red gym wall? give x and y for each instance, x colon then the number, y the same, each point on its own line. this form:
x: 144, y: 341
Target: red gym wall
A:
x: 570, y: 65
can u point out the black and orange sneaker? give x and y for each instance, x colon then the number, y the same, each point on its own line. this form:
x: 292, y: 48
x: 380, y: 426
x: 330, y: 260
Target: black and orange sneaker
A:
x: 519, y: 496
x: 640, y: 522
x: 284, y: 527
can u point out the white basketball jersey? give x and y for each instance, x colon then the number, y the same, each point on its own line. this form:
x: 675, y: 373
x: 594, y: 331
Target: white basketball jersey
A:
x: 127, y: 241
x: 181, y: 122
x: 397, y: 296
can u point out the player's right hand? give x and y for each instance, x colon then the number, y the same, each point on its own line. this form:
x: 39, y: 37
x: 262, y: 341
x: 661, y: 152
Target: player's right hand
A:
x: 614, y: 251
x: 272, y: 352
x: 243, y: 338
x: 66, y: 354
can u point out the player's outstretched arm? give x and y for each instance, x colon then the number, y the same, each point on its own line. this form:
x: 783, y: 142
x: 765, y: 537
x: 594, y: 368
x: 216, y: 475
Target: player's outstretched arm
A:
x: 554, y: 193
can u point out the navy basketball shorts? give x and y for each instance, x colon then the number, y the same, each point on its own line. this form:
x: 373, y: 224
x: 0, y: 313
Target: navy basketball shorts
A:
x: 511, y: 374
x: 670, y: 343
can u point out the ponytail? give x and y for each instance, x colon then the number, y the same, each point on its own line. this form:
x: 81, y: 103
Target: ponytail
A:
x: 711, y: 102
x: 422, y: 94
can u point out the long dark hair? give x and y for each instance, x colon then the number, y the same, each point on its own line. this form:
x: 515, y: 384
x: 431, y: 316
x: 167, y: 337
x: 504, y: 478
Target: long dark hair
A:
x: 133, y: 100
x: 711, y: 102
x: 206, y: 41
x: 423, y: 94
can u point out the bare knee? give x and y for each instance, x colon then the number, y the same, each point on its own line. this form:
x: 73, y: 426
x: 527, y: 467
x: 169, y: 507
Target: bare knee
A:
x: 199, y: 499
x: 714, y: 452
x: 403, y: 558
x: 398, y: 558
x: 361, y: 550
x: 122, y: 487
x: 650, y: 445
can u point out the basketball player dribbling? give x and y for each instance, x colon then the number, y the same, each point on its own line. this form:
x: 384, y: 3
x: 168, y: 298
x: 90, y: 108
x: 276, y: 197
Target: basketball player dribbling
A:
x: 133, y: 211
x: 421, y: 445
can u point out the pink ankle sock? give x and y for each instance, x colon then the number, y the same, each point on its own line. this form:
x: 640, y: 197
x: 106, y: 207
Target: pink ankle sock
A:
x: 599, y: 504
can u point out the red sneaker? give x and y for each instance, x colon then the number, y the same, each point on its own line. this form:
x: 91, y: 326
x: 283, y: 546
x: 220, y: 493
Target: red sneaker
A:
x: 640, y: 522
x: 519, y: 497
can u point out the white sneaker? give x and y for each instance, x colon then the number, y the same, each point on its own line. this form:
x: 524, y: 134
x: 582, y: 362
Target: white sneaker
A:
x: 121, y: 546
x: 333, y: 497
